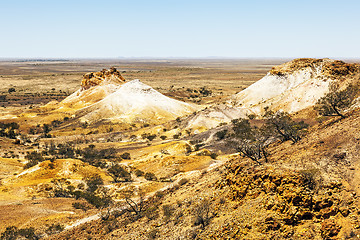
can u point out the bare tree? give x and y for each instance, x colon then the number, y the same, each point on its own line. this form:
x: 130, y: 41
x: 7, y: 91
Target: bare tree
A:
x: 251, y: 142
x: 336, y: 100
x: 135, y: 206
x: 282, y: 126
x: 202, y: 213
x: 253, y: 149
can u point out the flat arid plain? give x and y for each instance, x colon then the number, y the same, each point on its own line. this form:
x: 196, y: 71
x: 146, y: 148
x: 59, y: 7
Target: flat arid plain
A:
x: 179, y: 149
x: 49, y: 77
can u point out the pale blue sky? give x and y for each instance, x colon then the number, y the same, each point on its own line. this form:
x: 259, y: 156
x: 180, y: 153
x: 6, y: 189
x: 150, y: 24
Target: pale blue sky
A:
x: 179, y: 28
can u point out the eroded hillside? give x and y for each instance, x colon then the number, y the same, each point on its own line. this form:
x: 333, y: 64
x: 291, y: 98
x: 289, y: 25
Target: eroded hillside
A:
x: 307, y: 190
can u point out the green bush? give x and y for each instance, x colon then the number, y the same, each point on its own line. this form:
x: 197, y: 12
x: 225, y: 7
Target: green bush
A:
x: 138, y: 173
x: 250, y: 141
x: 93, y: 182
x: 9, y: 130
x: 221, y: 134
x: 251, y: 116
x: 148, y: 136
x: 213, y: 155
x: 125, y: 155
x: 56, y: 123
x: 202, y: 213
x: 150, y: 176
x: 62, y: 187
x: 54, y: 228
x: 151, y: 212
x: 198, y: 146
x: 168, y: 211
x: 96, y: 201
x: 10, y: 90
x: 63, y: 151
x: 79, y: 205
x: 10, y: 233
x: 46, y: 128
x: 119, y: 174
x: 152, y: 234
x: 34, y: 158
x: 13, y: 233
x: 205, y: 92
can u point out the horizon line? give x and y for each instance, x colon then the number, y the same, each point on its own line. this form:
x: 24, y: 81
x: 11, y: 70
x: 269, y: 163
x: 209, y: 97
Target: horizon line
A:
x: 157, y: 58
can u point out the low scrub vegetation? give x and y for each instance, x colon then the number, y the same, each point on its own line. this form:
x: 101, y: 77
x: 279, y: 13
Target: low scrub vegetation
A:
x: 220, y: 135
x: 94, y: 193
x: 82, y: 206
x: 135, y: 206
x: 54, y: 228
x: 33, y: 159
x: 9, y: 130
x: 150, y: 176
x: 13, y: 233
x: 202, y: 213
x: 89, y: 154
x: 148, y: 136
x: 125, y: 156
x: 119, y: 173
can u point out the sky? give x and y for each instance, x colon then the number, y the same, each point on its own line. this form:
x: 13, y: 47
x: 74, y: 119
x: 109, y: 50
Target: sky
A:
x: 179, y: 28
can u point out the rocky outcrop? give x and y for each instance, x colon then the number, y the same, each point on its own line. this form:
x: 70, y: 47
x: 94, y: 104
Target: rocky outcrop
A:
x: 329, y: 68
x: 96, y: 78
x: 291, y: 201
x: 95, y: 86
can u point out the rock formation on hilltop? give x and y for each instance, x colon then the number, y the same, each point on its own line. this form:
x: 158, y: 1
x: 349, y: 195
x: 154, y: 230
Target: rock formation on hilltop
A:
x: 96, y: 78
x: 329, y: 68
x: 94, y: 87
